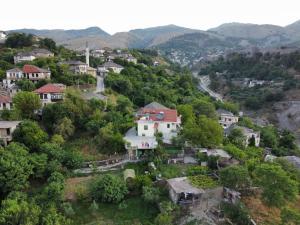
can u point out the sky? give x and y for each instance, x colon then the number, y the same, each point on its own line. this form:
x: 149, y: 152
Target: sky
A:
x: 123, y: 15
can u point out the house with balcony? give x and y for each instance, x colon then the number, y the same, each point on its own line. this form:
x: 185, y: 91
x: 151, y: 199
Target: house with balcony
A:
x: 30, y: 72
x: 6, y: 130
x: 226, y: 118
x: 51, y: 93
x: 35, y: 74
x: 152, y: 119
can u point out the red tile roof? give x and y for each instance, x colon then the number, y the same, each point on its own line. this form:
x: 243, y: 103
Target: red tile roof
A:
x: 166, y: 115
x: 51, y: 88
x: 33, y: 69
x: 5, y: 99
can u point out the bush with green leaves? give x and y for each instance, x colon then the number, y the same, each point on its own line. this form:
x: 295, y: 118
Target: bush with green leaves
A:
x: 237, y: 213
x: 277, y: 185
x: 26, y: 104
x: 15, y: 168
x: 151, y: 194
x: 30, y: 134
x: 235, y: 177
x: 109, y: 188
x: 203, y: 181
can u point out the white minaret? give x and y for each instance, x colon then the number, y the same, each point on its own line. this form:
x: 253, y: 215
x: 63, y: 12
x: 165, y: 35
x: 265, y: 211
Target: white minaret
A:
x: 87, y: 54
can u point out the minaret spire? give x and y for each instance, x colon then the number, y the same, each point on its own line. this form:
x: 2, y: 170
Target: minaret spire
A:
x: 87, y: 54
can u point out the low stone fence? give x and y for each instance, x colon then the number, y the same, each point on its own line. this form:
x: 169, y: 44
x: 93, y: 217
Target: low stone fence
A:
x: 110, y: 161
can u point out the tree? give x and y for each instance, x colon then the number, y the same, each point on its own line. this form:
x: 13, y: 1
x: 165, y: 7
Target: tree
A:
x: 30, y: 134
x: 19, y: 40
x: 26, y: 103
x: 187, y: 113
x: 287, y: 140
x: 206, y: 132
x: 52, y: 217
x: 52, y: 113
x: 109, y: 141
x: 64, y: 127
x: 53, y: 151
x: 277, y: 186
x: 15, y: 168
x: 150, y: 194
x: 17, y: 210
x: 236, y: 152
x: 237, y: 213
x: 164, y: 219
x: 57, y: 139
x: 25, y: 85
x: 235, y: 177
x: 39, y: 163
x: 269, y: 137
x: 48, y: 43
x: 124, y: 105
x: 237, y: 137
x: 54, y: 190
x: 109, y: 188
x: 206, y: 108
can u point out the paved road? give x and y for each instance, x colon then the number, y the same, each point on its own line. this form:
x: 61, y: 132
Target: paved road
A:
x: 204, y: 83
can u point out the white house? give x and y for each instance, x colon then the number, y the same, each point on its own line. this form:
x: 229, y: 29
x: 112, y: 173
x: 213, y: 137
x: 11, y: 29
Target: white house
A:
x: 6, y: 130
x: 30, y: 72
x: 12, y: 76
x: 51, y: 93
x: 226, y: 118
x: 32, y: 55
x: 116, y: 68
x: 152, y: 119
x: 98, y: 53
x: 132, y: 59
x: 24, y: 57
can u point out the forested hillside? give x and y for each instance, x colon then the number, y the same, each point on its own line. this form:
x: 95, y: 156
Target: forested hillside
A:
x: 51, y: 172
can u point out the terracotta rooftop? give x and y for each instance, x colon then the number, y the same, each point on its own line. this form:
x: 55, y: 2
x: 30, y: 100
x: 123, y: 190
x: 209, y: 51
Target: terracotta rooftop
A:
x: 33, y: 69
x: 5, y: 99
x: 166, y: 115
x: 51, y: 88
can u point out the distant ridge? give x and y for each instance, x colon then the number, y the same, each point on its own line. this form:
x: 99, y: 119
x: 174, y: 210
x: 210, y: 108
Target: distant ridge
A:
x: 180, y: 44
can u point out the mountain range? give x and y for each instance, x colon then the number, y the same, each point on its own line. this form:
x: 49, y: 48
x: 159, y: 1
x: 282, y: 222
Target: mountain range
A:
x: 181, y: 44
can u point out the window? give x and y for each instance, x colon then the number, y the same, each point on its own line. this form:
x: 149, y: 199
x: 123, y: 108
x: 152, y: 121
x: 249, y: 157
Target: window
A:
x: 8, y: 131
x: 145, y: 127
x: 41, y: 96
x: 45, y: 96
x: 168, y: 125
x: 4, y: 105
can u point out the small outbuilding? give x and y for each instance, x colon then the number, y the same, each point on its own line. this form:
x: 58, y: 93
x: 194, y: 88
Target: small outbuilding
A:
x: 182, y: 192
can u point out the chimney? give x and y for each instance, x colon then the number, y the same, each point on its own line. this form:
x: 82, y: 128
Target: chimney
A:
x: 87, y: 54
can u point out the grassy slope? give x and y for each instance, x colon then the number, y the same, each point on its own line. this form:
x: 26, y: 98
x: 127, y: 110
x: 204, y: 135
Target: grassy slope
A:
x: 137, y: 211
x: 264, y: 215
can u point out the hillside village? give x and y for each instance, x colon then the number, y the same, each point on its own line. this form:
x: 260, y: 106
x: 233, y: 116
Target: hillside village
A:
x: 124, y: 136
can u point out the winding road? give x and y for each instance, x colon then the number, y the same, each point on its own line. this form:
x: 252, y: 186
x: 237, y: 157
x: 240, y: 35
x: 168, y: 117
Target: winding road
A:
x: 203, y: 86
